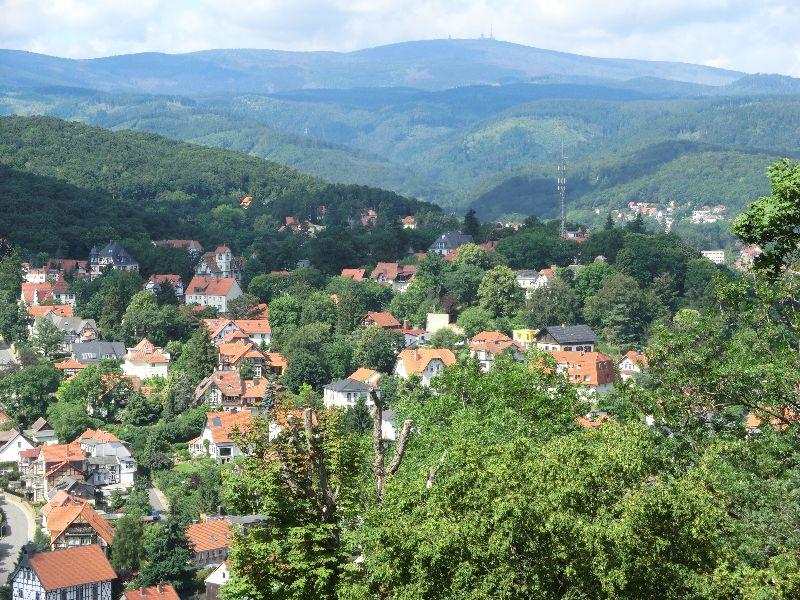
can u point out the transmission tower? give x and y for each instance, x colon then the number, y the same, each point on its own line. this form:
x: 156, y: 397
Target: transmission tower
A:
x: 562, y: 190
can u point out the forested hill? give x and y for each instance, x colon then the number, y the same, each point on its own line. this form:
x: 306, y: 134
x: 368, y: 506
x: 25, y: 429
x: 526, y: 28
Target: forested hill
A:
x: 66, y: 186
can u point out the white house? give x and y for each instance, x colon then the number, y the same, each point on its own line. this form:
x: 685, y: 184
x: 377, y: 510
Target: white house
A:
x: 566, y: 338
x: 109, y: 462
x: 215, y: 439
x: 77, y: 573
x: 632, y: 363
x: 216, y: 579
x: 345, y: 393
x: 12, y: 442
x: 487, y: 345
x: 257, y: 331
x: 529, y: 280
x: 425, y: 362
x: 146, y: 360
x: 715, y: 256
x: 212, y: 291
x: 220, y: 264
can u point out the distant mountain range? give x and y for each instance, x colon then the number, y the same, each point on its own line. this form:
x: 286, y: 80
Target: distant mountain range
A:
x: 430, y: 65
x: 458, y: 122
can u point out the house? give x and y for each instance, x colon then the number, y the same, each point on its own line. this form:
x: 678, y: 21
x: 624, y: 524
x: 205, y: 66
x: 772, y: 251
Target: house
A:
x: 36, y: 294
x: 276, y: 363
x: 212, y: 291
x: 594, y: 372
x: 246, y: 202
x: 715, y: 256
x: 80, y: 572
x: 156, y: 281
x: 146, y: 360
x: 162, y: 591
x: 70, y: 366
x: 215, y: 439
x: 412, y: 336
x: 365, y: 375
x: 112, y: 257
x: 233, y: 355
x: 257, y: 331
x: 227, y: 391
x: 437, y: 321
x: 354, y: 274
x: 449, y: 242
x: 73, y: 487
x: 632, y: 363
x: 41, y: 432
x: 74, y: 329
x: 42, y: 310
x: 189, y: 246
x: 568, y: 338
x: 88, y: 353
x: 209, y: 541
x: 75, y: 523
x: 530, y: 280
x: 384, y: 320
x: 4, y: 419
x: 42, y: 467
x: 109, y: 463
x: 220, y: 264
x: 425, y: 362
x: 345, y: 393
x: 396, y: 275
x: 12, y: 442
x: 526, y: 337
x: 486, y: 345
x: 368, y: 218
x: 593, y: 420
x: 408, y: 222
x: 216, y: 579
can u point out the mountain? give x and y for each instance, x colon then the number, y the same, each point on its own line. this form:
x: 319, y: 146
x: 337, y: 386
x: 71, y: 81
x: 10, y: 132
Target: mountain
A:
x: 66, y: 186
x: 430, y: 65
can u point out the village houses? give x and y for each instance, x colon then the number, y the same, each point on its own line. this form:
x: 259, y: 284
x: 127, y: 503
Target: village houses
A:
x: 146, y: 360
x: 220, y: 264
x: 487, y: 345
x: 424, y: 362
x: 567, y: 338
x: 80, y: 572
x: 449, y: 242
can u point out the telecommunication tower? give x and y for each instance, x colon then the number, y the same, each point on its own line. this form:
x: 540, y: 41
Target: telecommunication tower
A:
x: 562, y: 190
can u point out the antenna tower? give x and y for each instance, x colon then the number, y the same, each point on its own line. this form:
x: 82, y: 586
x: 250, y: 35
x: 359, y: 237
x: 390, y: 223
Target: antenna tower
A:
x: 562, y: 190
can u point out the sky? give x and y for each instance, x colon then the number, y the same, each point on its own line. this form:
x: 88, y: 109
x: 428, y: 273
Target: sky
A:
x: 746, y: 35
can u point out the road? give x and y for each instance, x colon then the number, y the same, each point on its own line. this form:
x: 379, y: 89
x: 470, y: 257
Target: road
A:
x: 158, y: 500
x: 6, y: 356
x: 20, y: 528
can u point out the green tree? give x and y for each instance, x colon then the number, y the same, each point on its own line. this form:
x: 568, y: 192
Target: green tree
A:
x: 590, y: 279
x: 378, y: 348
x: 551, y: 304
x: 47, y: 339
x: 284, y: 313
x: 463, y: 282
x: 244, y: 307
x: 127, y: 553
x: 305, y: 368
x: 476, y: 256
x: 167, y: 557
x: 447, y: 338
x: 26, y: 393
x: 474, y: 320
x: 199, y: 356
x: 13, y: 318
x: 620, y: 309
x: 471, y: 224
x: 499, y: 292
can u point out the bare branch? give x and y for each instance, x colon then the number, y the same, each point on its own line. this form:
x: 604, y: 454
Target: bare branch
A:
x: 435, y: 469
x: 377, y: 443
x: 316, y: 454
x: 401, y: 448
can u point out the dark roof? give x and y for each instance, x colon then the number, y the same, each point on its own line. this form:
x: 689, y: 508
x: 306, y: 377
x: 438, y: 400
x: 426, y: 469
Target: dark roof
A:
x: 348, y: 385
x: 569, y: 334
x: 116, y: 349
x: 453, y: 239
x: 117, y: 253
x: 72, y: 485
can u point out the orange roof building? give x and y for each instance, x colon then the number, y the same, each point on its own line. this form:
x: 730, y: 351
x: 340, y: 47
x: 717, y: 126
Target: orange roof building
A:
x: 76, y: 523
x: 216, y: 439
x: 486, y: 345
x: 384, y: 320
x: 212, y: 291
x: 162, y: 591
x: 632, y: 363
x: 64, y: 569
x: 210, y: 541
x: 354, y: 274
x: 146, y: 360
x: 595, y: 372
x: 394, y: 274
x: 257, y: 331
x: 365, y: 375
x: 70, y: 366
x: 425, y: 362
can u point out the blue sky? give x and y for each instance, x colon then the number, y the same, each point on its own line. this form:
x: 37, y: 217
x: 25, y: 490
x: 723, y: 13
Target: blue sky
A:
x: 748, y: 35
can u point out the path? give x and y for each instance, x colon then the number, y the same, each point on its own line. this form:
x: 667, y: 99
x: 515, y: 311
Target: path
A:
x: 158, y: 500
x: 20, y: 527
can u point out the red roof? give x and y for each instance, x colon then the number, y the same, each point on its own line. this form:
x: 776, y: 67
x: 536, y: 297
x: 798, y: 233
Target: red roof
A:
x: 211, y: 535
x: 210, y: 286
x: 415, y: 360
x: 59, y: 310
x: 385, y: 320
x: 166, y: 278
x: 69, y: 364
x: 148, y: 352
x: 222, y: 424
x: 354, y: 274
x: 59, y: 518
x: 39, y: 292
x: 592, y: 422
x: 99, y: 435
x: 162, y: 591
x: 586, y: 368
x: 391, y: 271
x: 60, y: 453
x: 71, y: 566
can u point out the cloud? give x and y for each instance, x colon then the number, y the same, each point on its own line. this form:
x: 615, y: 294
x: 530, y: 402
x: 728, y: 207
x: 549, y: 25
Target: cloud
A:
x: 751, y: 36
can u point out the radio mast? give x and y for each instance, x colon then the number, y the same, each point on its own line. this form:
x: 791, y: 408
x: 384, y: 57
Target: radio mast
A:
x: 562, y: 190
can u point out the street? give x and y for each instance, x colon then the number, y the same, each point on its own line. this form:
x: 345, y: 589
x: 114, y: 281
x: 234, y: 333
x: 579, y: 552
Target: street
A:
x: 6, y: 356
x: 19, y: 528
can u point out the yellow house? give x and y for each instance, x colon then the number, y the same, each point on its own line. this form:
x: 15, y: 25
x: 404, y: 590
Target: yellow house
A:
x: 526, y: 337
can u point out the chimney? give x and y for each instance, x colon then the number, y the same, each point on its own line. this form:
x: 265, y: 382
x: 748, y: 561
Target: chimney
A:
x: 141, y: 591
x: 406, y: 324
x: 160, y: 588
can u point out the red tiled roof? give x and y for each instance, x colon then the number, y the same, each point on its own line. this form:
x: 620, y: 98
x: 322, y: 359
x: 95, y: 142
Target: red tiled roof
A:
x: 71, y: 566
x: 276, y: 359
x: 162, y: 591
x: 148, y: 352
x: 592, y: 422
x: 61, y: 517
x: 364, y: 375
x: 59, y: 310
x: 637, y: 358
x: 222, y: 424
x: 166, y: 278
x: 210, y: 286
x: 42, y: 291
x: 491, y: 336
x: 59, y: 453
x: 354, y: 274
x: 385, y: 320
x: 211, y: 535
x: 99, y: 435
x: 391, y: 271
x: 232, y: 353
x: 253, y: 326
x: 598, y: 367
x: 69, y: 364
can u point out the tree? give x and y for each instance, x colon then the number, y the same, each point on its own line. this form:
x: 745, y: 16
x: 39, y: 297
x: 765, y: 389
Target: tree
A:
x: 165, y: 294
x: 269, y: 287
x: 474, y: 320
x: 47, y: 339
x: 471, y: 224
x: 113, y: 308
x: 620, y: 309
x: 284, y: 313
x: 100, y: 391
x: 590, y: 279
x: 773, y: 222
x: 319, y: 307
x: 476, y: 256
x: 167, y: 557
x: 551, y: 304
x: 26, y: 393
x: 463, y: 282
x: 500, y: 293
x: 699, y: 283
x: 305, y: 368
x: 447, y: 338
x: 357, y: 419
x: 244, y: 307
x: 70, y: 420
x: 378, y: 348
x: 127, y: 552
x: 13, y: 318
x: 199, y: 356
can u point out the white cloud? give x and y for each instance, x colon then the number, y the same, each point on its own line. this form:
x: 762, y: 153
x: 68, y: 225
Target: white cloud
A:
x: 755, y: 36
